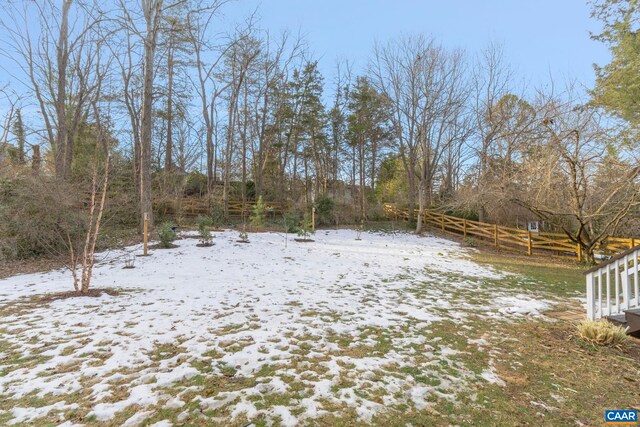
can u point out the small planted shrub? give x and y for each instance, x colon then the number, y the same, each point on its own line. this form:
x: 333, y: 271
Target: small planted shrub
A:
x: 291, y: 220
x: 305, y: 229
x: 204, y: 222
x: 167, y: 235
x: 602, y: 333
x: 130, y: 261
x: 257, y: 214
x: 244, y: 236
x: 359, y: 231
x: 468, y: 241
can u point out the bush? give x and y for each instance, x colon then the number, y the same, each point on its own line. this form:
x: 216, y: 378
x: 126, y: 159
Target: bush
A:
x: 344, y: 214
x: 243, y: 236
x: 305, y: 228
x: 324, y: 210
x: 204, y: 222
x: 166, y: 234
x: 196, y: 184
x: 291, y: 220
x: 39, y: 216
x: 468, y: 241
x: 602, y: 332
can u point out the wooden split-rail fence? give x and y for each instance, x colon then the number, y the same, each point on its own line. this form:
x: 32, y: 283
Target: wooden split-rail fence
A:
x: 193, y: 207
x: 511, y: 238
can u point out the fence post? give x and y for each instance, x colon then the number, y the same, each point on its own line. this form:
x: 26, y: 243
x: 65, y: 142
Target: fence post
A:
x: 529, y: 244
x: 313, y: 218
x: 633, y: 242
x: 145, y: 231
x: 442, y: 222
x: 579, y: 251
x: 464, y: 227
x: 495, y: 236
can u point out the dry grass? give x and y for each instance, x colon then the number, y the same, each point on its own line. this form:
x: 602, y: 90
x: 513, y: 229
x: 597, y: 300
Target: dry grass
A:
x: 603, y: 333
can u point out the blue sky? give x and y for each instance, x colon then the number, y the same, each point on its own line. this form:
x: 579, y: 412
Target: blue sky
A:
x: 541, y: 38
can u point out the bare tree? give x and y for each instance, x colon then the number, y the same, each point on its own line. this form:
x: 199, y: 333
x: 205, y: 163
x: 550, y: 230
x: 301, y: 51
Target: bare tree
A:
x: 424, y: 83
x: 58, y: 59
x: 491, y: 81
x: 206, y: 86
x: 85, y: 257
x: 570, y: 177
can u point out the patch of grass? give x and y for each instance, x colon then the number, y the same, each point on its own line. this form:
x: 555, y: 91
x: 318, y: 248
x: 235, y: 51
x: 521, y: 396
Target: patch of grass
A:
x: 165, y: 351
x: 558, y: 277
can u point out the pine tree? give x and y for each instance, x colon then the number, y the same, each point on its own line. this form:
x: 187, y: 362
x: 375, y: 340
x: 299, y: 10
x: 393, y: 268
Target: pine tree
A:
x: 618, y: 83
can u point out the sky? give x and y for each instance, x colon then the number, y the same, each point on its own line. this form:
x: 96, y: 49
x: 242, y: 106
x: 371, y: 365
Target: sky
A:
x: 541, y: 38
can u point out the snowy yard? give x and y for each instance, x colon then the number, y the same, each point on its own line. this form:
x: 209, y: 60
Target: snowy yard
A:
x: 338, y: 329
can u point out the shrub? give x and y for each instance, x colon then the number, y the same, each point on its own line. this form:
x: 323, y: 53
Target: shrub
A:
x: 602, y: 332
x: 468, y: 241
x: 291, y: 220
x: 196, y: 184
x: 204, y: 222
x: 244, y: 236
x: 39, y: 216
x: 257, y: 214
x: 324, y: 210
x: 166, y: 234
x: 305, y: 228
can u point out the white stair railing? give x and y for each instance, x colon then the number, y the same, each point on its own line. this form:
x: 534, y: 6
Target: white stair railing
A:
x: 612, y: 287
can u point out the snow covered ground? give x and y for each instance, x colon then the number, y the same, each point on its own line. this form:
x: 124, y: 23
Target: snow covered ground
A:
x: 263, y: 331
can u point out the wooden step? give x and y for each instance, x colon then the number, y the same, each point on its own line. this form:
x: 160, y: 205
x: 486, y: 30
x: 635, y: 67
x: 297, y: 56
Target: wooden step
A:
x: 618, y: 319
x: 632, y: 318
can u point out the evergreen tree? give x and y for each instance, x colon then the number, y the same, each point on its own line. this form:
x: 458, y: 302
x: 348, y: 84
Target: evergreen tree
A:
x: 618, y: 83
x: 367, y: 132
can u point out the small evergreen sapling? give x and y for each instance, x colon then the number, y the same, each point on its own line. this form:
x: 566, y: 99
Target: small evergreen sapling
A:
x: 167, y: 235
x: 244, y: 236
x: 305, y: 229
x: 257, y: 214
x: 203, y: 228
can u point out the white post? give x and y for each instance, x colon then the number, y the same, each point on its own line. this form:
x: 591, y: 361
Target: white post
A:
x: 600, y: 293
x: 616, y: 270
x: 608, y: 285
x: 591, y: 315
x: 635, y: 277
x: 626, y: 286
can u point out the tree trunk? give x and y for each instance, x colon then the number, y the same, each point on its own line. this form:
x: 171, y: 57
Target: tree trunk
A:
x: 152, y: 16
x: 62, y: 57
x: 363, y: 212
x: 35, y: 160
x: 168, y: 159
x: 421, y: 207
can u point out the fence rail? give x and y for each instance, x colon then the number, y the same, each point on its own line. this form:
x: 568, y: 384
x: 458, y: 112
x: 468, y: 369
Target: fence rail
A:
x: 511, y: 238
x: 192, y: 207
